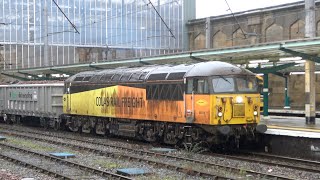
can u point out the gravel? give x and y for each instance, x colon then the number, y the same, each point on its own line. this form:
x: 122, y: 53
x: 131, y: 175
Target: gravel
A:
x: 111, y: 164
x: 93, y: 160
x: 11, y: 171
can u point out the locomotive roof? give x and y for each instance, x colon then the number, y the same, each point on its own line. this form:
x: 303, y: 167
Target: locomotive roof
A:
x: 160, y: 72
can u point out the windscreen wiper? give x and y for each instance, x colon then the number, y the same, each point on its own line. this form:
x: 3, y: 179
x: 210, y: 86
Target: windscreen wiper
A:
x: 225, y: 79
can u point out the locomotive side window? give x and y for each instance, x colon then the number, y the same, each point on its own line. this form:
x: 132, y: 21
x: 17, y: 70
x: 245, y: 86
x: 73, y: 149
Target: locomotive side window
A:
x: 197, y: 86
x: 189, y: 86
x: 202, y: 86
x: 223, y: 84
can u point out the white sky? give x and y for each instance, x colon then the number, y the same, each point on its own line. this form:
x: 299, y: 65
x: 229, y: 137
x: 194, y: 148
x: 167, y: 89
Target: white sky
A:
x: 206, y: 8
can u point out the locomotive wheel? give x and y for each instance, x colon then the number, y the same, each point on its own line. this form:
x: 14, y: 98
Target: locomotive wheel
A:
x: 86, y: 127
x: 170, y: 138
x: 100, y: 128
x: 73, y: 126
x: 149, y: 135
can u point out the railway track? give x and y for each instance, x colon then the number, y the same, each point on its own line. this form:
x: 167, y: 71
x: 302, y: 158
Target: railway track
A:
x: 62, y: 162
x: 154, y: 154
x: 296, y: 163
x: 274, y: 160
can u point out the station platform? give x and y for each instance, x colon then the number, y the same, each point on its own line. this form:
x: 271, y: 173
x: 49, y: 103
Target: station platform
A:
x: 298, y: 112
x: 291, y: 126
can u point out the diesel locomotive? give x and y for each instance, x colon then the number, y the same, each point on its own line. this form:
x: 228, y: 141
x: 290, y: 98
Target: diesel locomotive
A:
x: 213, y: 102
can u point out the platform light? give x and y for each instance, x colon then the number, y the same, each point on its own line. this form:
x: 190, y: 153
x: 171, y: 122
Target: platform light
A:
x: 299, y: 73
x: 290, y: 59
x: 253, y: 65
x: 300, y: 61
x: 55, y: 75
x: 259, y: 61
x: 296, y: 73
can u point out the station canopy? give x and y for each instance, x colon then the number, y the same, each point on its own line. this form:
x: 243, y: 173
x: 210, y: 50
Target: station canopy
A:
x: 260, y: 58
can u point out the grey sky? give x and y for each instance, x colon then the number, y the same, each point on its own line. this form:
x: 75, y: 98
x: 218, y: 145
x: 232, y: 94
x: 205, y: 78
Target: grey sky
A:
x: 206, y: 8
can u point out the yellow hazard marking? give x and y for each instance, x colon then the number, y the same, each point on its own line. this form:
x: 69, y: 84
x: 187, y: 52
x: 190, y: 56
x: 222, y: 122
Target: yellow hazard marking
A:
x: 294, y: 128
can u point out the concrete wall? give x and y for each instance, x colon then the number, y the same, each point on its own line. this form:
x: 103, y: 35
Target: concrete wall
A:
x: 284, y: 22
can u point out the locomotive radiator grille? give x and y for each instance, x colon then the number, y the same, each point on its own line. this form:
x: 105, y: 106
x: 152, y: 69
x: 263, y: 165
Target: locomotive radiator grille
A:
x: 238, y: 110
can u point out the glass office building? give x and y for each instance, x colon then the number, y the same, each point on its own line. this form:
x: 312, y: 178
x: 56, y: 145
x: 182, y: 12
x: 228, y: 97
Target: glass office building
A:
x: 103, y: 30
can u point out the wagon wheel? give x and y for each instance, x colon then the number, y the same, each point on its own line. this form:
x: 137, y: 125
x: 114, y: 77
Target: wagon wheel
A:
x: 56, y: 125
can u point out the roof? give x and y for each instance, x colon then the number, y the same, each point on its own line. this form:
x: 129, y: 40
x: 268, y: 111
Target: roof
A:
x: 160, y: 72
x: 236, y: 55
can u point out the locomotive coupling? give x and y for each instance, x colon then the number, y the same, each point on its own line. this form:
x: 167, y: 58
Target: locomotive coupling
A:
x: 261, y: 128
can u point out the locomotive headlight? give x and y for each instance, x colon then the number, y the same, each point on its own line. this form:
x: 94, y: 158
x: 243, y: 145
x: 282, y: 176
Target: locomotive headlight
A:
x: 255, y: 113
x: 239, y: 99
x: 219, y: 114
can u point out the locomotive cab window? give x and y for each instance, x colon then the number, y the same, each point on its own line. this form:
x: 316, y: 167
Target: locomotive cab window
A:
x: 247, y: 84
x: 223, y: 84
x: 197, y: 86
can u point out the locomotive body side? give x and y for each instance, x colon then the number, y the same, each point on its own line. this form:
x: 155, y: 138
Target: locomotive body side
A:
x: 123, y: 102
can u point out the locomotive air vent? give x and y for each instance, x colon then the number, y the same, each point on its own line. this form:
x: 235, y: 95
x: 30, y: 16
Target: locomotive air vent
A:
x: 135, y: 76
x: 160, y: 76
x: 78, y: 78
x: 116, y: 77
x: 176, y: 76
x: 106, y: 77
x: 125, y: 77
x: 87, y: 78
x: 143, y: 75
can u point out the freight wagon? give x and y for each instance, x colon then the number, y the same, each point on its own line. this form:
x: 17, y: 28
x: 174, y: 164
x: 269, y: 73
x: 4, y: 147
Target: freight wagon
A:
x: 30, y: 102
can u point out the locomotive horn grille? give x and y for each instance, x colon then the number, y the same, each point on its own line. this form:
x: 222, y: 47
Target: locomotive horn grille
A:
x: 238, y: 110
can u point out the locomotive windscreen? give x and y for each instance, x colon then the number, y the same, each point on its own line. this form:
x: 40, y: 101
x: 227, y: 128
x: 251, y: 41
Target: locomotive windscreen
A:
x: 244, y: 84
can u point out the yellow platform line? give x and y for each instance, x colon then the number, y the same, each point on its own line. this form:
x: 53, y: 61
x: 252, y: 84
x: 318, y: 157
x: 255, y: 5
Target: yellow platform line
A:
x: 294, y: 128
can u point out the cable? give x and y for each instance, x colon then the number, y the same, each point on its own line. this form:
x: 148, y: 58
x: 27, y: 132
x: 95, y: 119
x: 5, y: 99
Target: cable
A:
x: 161, y: 19
x: 75, y: 28
x: 244, y: 34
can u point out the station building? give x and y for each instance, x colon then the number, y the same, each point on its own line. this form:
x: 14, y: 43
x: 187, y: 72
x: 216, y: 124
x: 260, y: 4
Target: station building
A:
x: 105, y: 30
